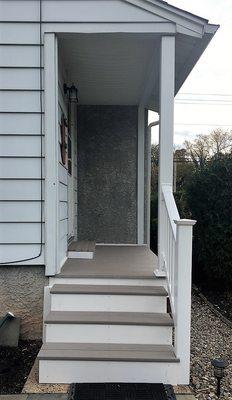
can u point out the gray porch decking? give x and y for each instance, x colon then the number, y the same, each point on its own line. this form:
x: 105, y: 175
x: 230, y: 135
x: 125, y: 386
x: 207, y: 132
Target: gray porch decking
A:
x: 113, y: 261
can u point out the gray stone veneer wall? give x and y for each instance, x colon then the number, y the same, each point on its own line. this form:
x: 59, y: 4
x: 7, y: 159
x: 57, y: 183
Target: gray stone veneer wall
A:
x: 107, y: 173
x: 21, y: 292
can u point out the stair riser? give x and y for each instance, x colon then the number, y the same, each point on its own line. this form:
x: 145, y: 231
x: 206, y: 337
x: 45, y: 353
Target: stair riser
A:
x: 65, y: 371
x: 101, y: 302
x: 93, y: 333
x: 88, y: 255
x: 108, y: 281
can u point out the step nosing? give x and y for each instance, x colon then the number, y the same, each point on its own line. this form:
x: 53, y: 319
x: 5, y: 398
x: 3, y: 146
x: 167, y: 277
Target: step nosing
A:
x: 127, y: 290
x: 104, y: 276
x: 106, y: 352
x: 109, y: 318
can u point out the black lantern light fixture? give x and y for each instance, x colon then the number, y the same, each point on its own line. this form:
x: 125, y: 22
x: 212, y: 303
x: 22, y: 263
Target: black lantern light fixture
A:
x: 219, y: 366
x: 72, y: 93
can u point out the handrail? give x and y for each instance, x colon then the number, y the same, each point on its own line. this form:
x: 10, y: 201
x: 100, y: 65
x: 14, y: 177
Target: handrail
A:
x: 177, y: 258
x: 170, y: 206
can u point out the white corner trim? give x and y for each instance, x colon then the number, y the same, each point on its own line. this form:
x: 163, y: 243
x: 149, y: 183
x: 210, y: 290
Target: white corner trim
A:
x: 140, y: 176
x: 51, y: 153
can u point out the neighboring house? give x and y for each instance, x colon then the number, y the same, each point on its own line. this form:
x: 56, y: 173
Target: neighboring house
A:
x: 75, y: 185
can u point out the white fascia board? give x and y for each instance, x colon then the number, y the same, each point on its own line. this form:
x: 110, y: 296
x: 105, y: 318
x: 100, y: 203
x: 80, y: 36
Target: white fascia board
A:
x: 197, y: 52
x: 176, y: 10
x: 211, y: 29
x: 171, y: 14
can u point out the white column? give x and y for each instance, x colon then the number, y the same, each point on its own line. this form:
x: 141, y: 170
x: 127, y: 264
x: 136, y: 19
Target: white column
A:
x: 148, y: 184
x: 51, y: 153
x: 140, y: 175
x: 166, y: 111
x: 183, y: 278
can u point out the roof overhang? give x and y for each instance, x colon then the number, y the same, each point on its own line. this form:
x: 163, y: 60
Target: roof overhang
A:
x: 120, y: 65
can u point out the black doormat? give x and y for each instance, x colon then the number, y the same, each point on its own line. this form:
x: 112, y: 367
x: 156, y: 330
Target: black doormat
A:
x: 120, y: 391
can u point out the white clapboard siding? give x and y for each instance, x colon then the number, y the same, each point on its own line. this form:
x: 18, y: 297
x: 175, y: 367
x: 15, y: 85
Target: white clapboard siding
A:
x: 63, y: 211
x: 62, y: 105
x: 20, y: 146
x: 62, y: 250
x: 24, y: 232
x: 24, y: 124
x: 20, y: 168
x: 9, y: 253
x: 75, y: 185
x: 12, y: 33
x: 20, y: 121
x: 19, y: 56
x: 63, y: 176
x: 21, y: 78
x: 63, y: 196
x: 22, y: 10
x: 63, y: 228
x: 25, y: 211
x: 94, y: 11
x: 11, y: 101
x: 21, y: 190
x: 19, y: 10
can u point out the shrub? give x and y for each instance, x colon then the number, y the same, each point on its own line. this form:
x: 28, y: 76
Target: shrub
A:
x: 209, y: 200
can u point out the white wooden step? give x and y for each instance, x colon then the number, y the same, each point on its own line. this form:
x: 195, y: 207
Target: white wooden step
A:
x: 108, y: 327
x: 81, y: 249
x: 102, y: 362
x: 59, y: 279
x: 108, y: 298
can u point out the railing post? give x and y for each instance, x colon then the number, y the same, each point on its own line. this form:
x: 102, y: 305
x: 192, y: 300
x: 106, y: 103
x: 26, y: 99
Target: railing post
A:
x: 166, y: 118
x: 182, y: 295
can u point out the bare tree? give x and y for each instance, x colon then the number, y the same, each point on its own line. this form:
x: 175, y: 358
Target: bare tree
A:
x: 220, y: 142
x: 198, y: 150
x: 204, y: 147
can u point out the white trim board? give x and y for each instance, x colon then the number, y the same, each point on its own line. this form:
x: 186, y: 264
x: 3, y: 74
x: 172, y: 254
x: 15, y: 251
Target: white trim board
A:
x: 51, y: 153
x: 140, y: 175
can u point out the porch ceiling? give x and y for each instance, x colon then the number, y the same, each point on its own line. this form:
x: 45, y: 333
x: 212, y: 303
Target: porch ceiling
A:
x: 108, y: 68
x: 123, y: 68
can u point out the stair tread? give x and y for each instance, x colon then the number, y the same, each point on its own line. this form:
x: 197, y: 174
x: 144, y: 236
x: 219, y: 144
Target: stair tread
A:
x: 109, y: 318
x: 107, y: 352
x: 109, y: 289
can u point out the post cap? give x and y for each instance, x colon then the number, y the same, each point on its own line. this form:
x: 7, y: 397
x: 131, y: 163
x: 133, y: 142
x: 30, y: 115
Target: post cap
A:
x: 185, y: 222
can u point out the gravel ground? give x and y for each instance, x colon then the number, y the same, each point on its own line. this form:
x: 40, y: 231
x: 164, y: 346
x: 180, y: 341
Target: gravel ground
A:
x: 15, y: 365
x: 211, y: 338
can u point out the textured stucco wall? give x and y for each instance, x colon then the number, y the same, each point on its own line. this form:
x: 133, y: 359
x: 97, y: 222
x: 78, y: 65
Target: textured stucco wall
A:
x: 21, y: 292
x: 107, y: 173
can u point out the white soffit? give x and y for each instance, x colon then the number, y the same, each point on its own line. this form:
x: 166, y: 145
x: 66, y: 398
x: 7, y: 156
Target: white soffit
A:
x: 108, y: 68
x: 114, y: 68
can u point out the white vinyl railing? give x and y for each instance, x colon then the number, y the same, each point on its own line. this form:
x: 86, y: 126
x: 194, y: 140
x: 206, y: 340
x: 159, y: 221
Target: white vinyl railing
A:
x: 177, y: 258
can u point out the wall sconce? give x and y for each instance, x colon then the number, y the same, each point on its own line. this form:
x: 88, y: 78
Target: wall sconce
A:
x: 72, y: 93
x: 219, y: 372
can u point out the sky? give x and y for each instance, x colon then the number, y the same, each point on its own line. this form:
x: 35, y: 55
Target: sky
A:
x: 208, y: 89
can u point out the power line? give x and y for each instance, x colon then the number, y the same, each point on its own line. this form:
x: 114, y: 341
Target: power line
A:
x: 206, y: 94
x: 195, y: 124
x: 205, y: 100
x: 201, y: 103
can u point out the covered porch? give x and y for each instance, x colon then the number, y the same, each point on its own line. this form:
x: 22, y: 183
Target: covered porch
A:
x: 102, y: 194
x: 119, y: 77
